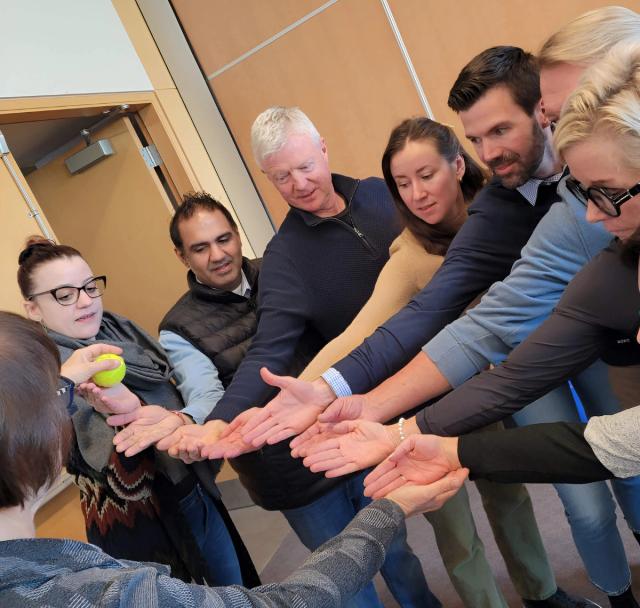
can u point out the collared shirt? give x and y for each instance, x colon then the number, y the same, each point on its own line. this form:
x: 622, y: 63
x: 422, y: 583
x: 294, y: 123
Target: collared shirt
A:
x: 530, y: 188
x: 244, y: 289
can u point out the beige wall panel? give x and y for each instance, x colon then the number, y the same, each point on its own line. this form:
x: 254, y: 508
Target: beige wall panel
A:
x: 221, y: 30
x: 15, y: 227
x: 442, y: 37
x: 188, y: 146
x: 117, y: 214
x: 348, y: 78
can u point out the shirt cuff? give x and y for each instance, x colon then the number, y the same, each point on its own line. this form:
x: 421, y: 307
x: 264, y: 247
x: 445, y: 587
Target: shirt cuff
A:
x: 197, y: 411
x: 456, y: 360
x: 337, y: 382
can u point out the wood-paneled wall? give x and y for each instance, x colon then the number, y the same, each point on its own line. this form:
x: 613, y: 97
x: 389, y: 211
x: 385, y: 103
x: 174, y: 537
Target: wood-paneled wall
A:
x: 343, y: 66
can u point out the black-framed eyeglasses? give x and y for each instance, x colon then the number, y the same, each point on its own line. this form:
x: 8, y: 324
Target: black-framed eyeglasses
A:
x: 607, y: 202
x: 65, y: 391
x: 66, y: 295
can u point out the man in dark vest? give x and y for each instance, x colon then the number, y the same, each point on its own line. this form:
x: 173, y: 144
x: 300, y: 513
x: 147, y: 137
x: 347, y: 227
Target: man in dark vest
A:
x: 208, y: 331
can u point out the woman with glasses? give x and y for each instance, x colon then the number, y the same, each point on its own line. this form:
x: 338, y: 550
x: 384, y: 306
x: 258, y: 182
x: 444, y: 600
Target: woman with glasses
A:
x: 149, y: 507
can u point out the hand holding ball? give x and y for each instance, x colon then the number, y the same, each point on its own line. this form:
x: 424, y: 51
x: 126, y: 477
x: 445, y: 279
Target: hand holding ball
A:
x: 110, y: 377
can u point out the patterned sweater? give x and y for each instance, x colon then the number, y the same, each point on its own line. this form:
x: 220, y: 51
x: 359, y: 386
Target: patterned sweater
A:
x: 63, y: 573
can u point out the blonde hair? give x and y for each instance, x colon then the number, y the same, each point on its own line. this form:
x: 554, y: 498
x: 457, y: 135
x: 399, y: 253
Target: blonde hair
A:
x: 587, y: 38
x: 272, y: 127
x: 607, y: 101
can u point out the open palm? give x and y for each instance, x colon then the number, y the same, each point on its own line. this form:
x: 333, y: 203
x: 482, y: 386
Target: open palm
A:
x: 231, y: 443
x: 188, y: 441
x: 420, y: 459
x: 355, y: 445
x: 290, y: 412
x: 152, y: 423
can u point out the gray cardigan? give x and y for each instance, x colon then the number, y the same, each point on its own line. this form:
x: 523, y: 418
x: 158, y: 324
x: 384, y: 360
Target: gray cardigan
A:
x: 50, y: 572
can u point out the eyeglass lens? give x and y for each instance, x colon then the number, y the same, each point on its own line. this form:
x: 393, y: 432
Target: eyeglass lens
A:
x: 69, y: 295
x: 598, y: 198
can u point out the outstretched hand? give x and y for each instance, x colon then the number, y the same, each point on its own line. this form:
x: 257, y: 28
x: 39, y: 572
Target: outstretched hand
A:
x: 290, y: 412
x: 116, y: 399
x: 352, y: 446
x: 343, y: 408
x: 188, y: 441
x: 419, y: 459
x: 414, y: 498
x: 148, y: 424
x: 231, y: 442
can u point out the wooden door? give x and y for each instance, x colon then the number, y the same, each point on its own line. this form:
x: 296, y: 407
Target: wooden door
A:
x: 116, y: 213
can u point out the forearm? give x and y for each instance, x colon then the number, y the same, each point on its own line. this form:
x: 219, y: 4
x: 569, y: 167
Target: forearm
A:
x: 556, y: 351
x: 344, y: 564
x: 417, y: 382
x: 196, y: 376
x: 539, y: 453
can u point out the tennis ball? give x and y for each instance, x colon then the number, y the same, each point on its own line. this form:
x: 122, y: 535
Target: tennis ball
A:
x: 110, y: 377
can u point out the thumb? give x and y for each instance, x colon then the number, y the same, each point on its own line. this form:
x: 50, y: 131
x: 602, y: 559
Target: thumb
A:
x: 122, y: 419
x: 336, y: 412
x: 272, y: 379
x: 406, y: 447
x: 342, y: 428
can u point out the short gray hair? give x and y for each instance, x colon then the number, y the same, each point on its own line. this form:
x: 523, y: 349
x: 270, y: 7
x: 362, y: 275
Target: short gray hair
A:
x: 271, y: 129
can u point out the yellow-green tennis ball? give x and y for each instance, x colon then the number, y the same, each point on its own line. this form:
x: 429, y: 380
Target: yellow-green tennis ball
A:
x: 110, y: 377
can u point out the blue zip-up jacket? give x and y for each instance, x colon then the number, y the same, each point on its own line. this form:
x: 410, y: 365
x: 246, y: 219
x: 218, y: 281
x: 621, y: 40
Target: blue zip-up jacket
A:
x: 499, y: 225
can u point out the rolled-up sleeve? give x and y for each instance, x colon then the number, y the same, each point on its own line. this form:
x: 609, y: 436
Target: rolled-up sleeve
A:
x: 196, y: 376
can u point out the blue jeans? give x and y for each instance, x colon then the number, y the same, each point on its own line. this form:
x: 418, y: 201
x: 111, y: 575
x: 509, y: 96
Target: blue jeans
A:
x: 590, y: 508
x: 212, y: 536
x: 327, y: 516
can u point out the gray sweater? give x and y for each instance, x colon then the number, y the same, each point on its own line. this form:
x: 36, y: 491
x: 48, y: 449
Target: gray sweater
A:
x: 49, y: 572
x: 615, y: 440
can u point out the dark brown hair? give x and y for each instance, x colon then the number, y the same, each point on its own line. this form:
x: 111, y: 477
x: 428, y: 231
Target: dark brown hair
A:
x: 190, y: 204
x: 434, y: 238
x: 37, y: 251
x: 34, y: 425
x: 508, y: 66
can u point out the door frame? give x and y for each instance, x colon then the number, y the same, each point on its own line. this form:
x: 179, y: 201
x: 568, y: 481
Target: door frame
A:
x: 184, y: 170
